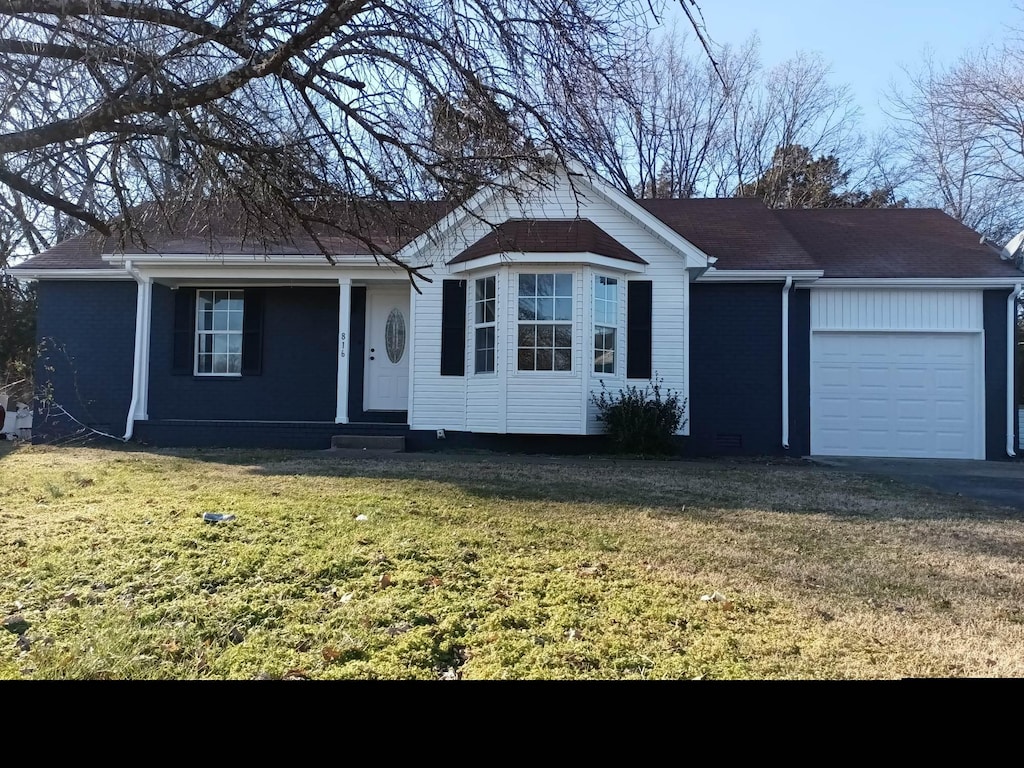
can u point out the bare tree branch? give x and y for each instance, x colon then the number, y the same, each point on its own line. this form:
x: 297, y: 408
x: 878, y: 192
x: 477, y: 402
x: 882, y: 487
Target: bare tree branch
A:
x: 19, y: 184
x: 111, y: 106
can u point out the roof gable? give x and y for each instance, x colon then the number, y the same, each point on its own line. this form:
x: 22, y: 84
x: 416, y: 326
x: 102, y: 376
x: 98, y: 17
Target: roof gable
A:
x: 570, y: 192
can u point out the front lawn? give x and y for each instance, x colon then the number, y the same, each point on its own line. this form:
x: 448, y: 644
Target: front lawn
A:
x: 490, y: 567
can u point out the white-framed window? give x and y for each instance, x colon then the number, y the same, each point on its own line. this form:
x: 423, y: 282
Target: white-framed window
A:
x: 606, y: 323
x: 219, y: 333
x: 484, y: 332
x: 544, y: 339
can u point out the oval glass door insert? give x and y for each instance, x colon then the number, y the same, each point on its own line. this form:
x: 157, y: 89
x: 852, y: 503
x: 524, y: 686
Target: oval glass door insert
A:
x: 394, y: 335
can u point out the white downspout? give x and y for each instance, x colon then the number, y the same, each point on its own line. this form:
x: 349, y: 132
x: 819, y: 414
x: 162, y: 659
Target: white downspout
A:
x: 1011, y: 405
x: 785, y: 361
x: 140, y: 314
x: 147, y: 323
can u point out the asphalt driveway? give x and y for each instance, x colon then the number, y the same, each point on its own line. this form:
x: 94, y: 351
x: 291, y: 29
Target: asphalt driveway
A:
x: 997, y: 482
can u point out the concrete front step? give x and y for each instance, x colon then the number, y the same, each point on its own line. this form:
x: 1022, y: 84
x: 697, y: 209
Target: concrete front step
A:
x: 393, y: 443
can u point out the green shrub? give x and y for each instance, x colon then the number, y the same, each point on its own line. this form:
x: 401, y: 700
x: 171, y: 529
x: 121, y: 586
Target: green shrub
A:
x: 641, y: 420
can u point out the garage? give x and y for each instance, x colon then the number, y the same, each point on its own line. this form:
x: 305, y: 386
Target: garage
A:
x: 897, y: 373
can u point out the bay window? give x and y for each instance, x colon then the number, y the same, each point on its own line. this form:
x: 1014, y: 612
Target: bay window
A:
x: 545, y: 312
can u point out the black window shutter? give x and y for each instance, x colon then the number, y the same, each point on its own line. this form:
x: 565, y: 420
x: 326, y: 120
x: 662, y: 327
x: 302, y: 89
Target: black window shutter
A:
x: 252, y: 332
x: 453, y: 328
x: 183, y: 349
x: 638, y: 330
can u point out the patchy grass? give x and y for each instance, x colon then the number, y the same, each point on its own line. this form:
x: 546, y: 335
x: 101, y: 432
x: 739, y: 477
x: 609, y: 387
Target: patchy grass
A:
x: 490, y: 567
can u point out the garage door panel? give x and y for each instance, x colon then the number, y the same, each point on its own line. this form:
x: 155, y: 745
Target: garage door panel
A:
x: 833, y: 440
x: 873, y: 439
x: 834, y: 376
x: 953, y: 379
x: 896, y: 394
x: 911, y: 378
x: 874, y: 408
x: 949, y: 444
x: 910, y: 356
x: 870, y: 376
x: 910, y: 417
x: 912, y: 439
x: 837, y: 418
x: 950, y: 412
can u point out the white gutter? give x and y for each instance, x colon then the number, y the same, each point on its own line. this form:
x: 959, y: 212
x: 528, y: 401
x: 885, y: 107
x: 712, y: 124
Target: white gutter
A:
x: 917, y: 282
x: 785, y: 361
x: 759, y: 275
x: 141, y: 312
x: 1011, y: 405
x: 68, y: 274
x: 244, y: 259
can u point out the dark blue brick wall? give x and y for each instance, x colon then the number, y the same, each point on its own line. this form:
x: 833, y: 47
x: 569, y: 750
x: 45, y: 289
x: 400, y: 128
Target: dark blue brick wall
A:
x: 995, y: 373
x: 234, y: 434
x: 736, y: 369
x: 300, y: 364
x: 86, y: 336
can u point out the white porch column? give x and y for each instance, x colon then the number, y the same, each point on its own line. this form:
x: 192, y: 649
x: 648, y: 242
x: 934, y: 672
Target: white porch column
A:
x: 344, y: 334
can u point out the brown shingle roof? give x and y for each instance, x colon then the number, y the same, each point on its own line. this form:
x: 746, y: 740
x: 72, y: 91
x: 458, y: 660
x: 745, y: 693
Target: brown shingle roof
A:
x: 345, y: 230
x: 899, y: 243
x: 81, y: 252
x: 740, y: 232
x: 548, y: 236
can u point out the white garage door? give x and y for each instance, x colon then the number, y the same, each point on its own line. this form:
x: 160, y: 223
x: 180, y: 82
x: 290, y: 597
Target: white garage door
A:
x: 897, y: 394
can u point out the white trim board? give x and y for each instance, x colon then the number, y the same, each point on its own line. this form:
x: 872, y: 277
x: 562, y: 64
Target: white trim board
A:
x: 69, y: 274
x: 230, y: 259
x: 759, y: 276
x: 918, y: 282
x: 521, y: 258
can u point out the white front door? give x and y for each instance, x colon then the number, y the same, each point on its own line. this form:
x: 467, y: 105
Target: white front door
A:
x: 386, y: 365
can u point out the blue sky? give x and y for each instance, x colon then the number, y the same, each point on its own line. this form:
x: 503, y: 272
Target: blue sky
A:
x: 866, y: 41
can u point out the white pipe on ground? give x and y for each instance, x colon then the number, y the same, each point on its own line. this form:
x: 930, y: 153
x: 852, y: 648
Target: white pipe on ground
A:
x: 785, y: 361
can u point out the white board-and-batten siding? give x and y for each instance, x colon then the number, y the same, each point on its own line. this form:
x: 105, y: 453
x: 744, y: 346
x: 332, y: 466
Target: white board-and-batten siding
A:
x: 895, y: 309
x: 542, y: 402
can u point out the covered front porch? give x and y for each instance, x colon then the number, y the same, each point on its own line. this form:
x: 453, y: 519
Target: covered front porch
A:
x: 252, y: 357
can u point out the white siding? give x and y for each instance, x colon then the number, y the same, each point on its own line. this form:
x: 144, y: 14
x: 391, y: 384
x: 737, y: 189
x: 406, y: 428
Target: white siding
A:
x: 484, y: 394
x: 893, y: 309
x: 670, y: 300
x: 438, y: 402
x: 670, y: 310
x: 482, y: 409
x: 544, y: 403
